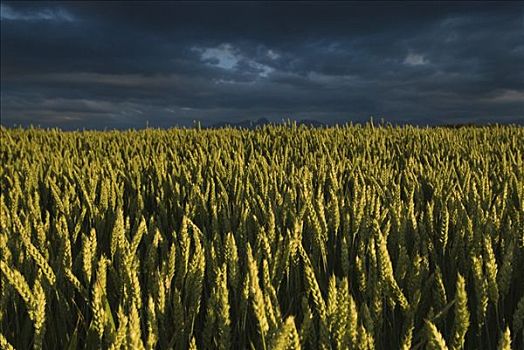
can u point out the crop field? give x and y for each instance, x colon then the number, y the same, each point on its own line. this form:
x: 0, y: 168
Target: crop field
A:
x: 282, y: 237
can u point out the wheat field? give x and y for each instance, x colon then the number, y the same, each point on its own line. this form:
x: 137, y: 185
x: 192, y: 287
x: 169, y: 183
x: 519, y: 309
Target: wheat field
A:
x: 283, y: 237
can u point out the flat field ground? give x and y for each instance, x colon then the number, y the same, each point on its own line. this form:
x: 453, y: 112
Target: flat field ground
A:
x: 283, y: 237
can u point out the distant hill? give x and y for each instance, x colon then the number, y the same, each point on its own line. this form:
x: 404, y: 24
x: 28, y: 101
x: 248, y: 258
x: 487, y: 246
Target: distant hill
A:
x: 253, y: 124
x: 247, y: 124
x: 311, y: 122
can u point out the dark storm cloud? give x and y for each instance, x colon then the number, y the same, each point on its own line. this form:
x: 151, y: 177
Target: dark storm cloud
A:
x: 99, y: 65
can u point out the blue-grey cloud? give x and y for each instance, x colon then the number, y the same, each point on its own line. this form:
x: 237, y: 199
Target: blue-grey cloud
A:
x: 7, y: 13
x: 124, y: 65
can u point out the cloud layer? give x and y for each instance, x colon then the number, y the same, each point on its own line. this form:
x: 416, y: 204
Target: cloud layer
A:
x: 116, y: 65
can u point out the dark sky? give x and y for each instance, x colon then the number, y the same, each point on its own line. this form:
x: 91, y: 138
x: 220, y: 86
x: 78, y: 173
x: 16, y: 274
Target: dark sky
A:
x: 123, y: 65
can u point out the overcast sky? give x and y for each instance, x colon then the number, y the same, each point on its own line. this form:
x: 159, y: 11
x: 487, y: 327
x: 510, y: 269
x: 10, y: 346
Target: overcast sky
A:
x: 125, y: 65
